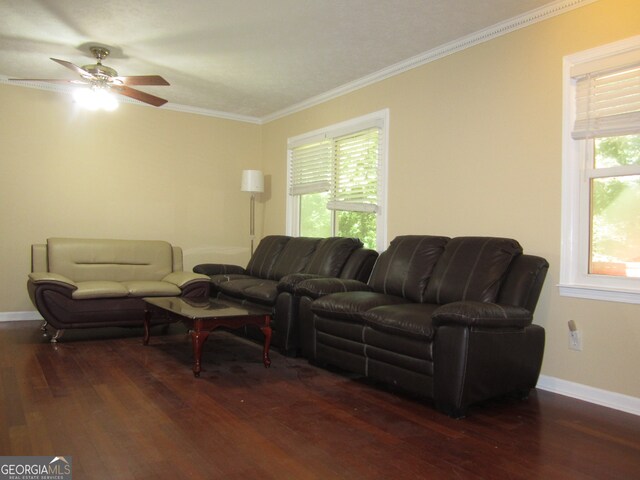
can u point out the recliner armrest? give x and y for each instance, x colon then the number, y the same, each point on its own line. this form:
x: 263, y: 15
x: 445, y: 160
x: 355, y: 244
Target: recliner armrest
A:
x: 481, y: 314
x: 53, y: 278
x: 218, y: 269
x: 319, y: 287
x: 183, y: 279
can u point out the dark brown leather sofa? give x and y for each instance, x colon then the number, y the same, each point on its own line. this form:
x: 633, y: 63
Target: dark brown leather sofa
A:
x: 279, y: 263
x: 449, y: 319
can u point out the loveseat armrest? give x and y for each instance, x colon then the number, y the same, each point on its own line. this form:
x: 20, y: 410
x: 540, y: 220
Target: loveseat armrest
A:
x: 218, y: 269
x: 42, y: 278
x: 319, y: 287
x: 481, y: 314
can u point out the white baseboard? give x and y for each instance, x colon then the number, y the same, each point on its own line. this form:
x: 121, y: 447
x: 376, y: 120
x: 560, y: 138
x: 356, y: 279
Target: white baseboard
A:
x: 589, y: 394
x: 19, y: 316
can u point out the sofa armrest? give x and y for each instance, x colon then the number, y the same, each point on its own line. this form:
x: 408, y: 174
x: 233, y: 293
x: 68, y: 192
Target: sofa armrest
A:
x: 218, y: 269
x: 319, y: 287
x: 184, y: 279
x: 481, y: 314
x: 42, y: 278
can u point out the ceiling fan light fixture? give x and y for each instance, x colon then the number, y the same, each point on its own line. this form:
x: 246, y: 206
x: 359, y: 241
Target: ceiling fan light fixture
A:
x: 95, y: 98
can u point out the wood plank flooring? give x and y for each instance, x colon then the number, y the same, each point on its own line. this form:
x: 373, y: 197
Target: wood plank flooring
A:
x: 125, y: 411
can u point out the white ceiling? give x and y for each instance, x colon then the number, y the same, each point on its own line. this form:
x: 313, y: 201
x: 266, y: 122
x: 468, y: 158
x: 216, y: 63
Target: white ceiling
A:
x: 247, y: 58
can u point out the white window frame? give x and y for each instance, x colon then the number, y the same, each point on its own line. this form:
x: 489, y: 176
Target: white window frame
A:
x: 575, y: 280
x: 336, y: 130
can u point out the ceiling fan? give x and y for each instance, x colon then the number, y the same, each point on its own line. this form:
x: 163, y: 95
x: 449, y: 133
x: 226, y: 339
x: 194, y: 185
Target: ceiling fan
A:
x: 102, y: 77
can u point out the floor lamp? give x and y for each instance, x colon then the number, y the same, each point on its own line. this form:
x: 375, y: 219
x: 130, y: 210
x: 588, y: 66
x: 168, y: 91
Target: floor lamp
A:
x: 252, y: 182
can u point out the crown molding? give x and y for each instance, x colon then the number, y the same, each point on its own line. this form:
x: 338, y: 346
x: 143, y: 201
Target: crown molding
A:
x: 210, y: 113
x: 68, y: 89
x: 534, y: 16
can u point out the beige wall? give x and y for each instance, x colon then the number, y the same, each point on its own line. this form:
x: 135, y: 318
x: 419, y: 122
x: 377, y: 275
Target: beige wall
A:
x: 475, y: 149
x: 136, y: 173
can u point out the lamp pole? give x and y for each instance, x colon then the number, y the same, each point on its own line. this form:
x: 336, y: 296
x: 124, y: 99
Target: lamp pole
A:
x: 252, y: 182
x: 252, y: 219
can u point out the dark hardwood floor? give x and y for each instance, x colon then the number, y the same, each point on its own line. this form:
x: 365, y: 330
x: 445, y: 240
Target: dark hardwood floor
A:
x: 125, y: 411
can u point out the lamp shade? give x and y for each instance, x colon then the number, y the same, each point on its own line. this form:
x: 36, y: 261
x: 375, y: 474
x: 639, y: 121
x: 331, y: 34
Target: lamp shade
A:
x: 252, y: 181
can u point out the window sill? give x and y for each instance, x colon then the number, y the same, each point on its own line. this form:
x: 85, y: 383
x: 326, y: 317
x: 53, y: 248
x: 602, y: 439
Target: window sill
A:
x: 599, y: 293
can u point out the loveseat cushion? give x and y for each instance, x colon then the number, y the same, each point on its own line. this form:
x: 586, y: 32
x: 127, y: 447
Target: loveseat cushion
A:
x: 471, y: 268
x: 99, y: 289
x: 294, y: 257
x: 411, y: 320
x: 263, y: 260
x: 351, y: 305
x: 404, y: 269
x: 149, y: 288
x: 331, y: 254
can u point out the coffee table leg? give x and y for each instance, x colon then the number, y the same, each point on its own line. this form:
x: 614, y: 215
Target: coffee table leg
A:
x: 266, y: 330
x: 197, y: 338
x: 147, y: 322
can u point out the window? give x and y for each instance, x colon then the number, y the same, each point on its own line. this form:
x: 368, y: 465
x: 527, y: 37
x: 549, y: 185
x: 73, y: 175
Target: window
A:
x: 601, y: 174
x: 337, y: 181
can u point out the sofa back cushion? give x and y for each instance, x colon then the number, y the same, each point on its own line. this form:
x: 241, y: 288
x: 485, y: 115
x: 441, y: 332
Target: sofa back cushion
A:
x: 267, y: 253
x: 405, y: 267
x: 471, y: 268
x: 82, y: 259
x: 294, y: 257
x: 331, y: 255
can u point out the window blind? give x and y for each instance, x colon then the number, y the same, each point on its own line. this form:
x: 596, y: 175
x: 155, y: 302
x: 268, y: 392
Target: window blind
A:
x: 310, y: 168
x: 355, y: 182
x: 607, y: 101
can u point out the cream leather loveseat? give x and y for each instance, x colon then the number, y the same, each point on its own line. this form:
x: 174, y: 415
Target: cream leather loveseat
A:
x: 82, y: 283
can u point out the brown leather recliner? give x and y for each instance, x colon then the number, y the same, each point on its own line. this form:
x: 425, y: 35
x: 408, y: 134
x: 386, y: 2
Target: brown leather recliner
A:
x: 449, y: 319
x: 279, y: 263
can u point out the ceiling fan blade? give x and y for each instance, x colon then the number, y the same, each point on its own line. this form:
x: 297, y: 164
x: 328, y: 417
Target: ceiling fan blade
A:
x: 142, y: 80
x: 138, y: 95
x: 75, y: 68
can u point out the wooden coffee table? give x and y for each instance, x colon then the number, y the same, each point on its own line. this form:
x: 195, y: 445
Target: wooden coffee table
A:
x: 202, y: 316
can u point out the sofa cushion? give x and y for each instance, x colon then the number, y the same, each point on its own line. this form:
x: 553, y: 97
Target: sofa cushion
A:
x: 331, y: 254
x: 265, y: 292
x: 351, y: 305
x: 471, y: 268
x: 99, y: 289
x: 411, y: 320
x: 149, y: 288
x: 294, y: 257
x: 405, y: 267
x: 236, y: 288
x: 266, y: 255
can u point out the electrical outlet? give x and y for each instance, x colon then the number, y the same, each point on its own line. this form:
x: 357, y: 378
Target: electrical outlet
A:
x: 575, y: 340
